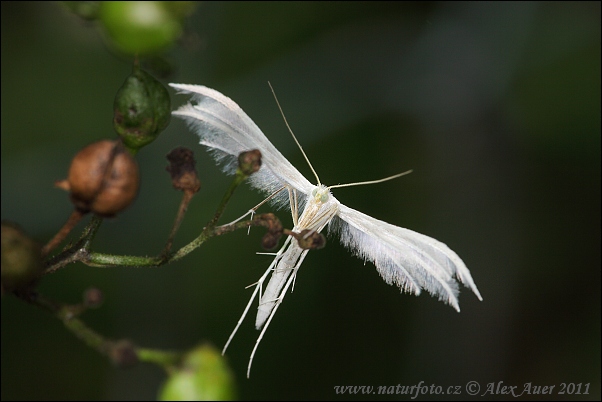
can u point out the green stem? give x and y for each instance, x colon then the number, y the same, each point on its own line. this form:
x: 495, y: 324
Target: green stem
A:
x: 238, y: 179
x: 109, y: 260
x: 209, y: 231
x: 78, y: 251
x: 90, y: 231
x: 66, y: 315
x: 165, y: 359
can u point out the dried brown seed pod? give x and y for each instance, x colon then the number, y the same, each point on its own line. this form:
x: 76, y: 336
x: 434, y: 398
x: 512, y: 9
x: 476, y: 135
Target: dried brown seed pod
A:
x: 103, y: 178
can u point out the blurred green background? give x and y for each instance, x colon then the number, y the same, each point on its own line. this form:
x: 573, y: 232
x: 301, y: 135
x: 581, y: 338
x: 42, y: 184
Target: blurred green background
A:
x: 496, y: 108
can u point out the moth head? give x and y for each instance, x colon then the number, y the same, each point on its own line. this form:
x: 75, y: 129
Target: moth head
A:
x: 321, y: 194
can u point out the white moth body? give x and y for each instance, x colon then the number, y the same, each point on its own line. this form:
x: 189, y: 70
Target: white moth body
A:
x: 319, y: 210
x: 409, y: 260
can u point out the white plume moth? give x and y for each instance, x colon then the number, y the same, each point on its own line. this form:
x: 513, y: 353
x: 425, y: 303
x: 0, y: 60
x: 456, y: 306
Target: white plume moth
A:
x: 410, y: 260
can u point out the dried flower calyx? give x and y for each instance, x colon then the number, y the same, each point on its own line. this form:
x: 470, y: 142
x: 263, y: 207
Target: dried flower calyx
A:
x: 274, y: 226
x: 182, y: 170
x: 308, y: 239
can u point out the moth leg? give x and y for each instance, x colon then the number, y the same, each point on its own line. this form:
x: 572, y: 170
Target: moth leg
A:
x: 249, y: 228
x: 298, y: 265
x: 244, y: 314
x: 256, y: 207
x: 273, y: 312
x: 292, y: 197
x: 258, y: 289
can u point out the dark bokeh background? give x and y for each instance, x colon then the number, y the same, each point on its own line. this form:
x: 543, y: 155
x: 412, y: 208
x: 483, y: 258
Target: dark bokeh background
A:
x: 496, y: 107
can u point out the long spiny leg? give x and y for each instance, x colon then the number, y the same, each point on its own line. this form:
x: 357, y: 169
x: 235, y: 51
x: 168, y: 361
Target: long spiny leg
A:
x: 294, y: 269
x: 292, y: 197
x: 256, y: 207
x: 273, y: 312
x: 244, y: 314
x: 298, y: 265
x: 258, y: 288
x: 249, y: 228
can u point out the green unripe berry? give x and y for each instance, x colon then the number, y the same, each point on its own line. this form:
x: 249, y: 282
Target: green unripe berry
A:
x: 142, y: 109
x: 21, y: 260
x: 143, y: 27
x: 203, y: 376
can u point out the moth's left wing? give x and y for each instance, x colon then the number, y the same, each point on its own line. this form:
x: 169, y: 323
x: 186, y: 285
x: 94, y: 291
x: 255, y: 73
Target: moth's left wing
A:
x: 410, y: 260
x: 227, y: 131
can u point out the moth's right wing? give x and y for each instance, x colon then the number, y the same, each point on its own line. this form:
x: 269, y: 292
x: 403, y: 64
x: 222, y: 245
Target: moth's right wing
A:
x: 226, y: 130
x: 408, y: 259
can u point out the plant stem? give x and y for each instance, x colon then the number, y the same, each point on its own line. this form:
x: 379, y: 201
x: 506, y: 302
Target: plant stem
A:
x: 208, y: 231
x: 238, y: 179
x: 78, y: 251
x: 66, y: 315
x: 186, y: 198
x: 165, y: 359
x: 73, y: 220
x: 109, y: 260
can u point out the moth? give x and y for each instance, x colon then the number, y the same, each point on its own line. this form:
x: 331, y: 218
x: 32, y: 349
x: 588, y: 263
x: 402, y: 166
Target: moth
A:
x: 410, y: 260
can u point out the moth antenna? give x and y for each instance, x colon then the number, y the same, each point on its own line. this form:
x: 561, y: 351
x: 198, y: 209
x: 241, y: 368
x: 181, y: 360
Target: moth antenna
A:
x: 371, y: 181
x: 295, y: 138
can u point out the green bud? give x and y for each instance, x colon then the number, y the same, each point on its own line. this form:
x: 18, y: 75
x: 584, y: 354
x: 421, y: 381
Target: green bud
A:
x: 93, y: 298
x: 203, y: 375
x: 21, y: 260
x: 142, y: 109
x: 143, y: 27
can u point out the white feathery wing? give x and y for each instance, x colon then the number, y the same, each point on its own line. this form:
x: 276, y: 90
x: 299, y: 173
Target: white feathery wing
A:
x: 410, y: 260
x: 227, y: 131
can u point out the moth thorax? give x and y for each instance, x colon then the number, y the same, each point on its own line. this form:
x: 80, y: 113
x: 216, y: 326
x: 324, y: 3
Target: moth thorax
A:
x: 320, y: 194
